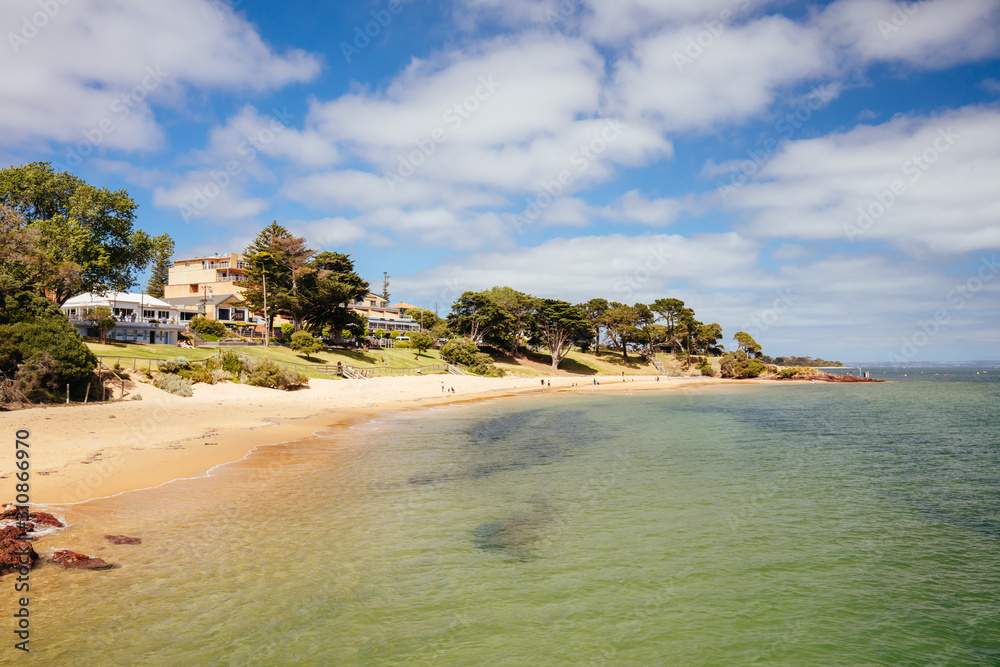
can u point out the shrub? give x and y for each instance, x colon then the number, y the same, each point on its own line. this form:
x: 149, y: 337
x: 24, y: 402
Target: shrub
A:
x: 220, y: 375
x: 173, y: 365
x: 420, y: 341
x: 196, y: 373
x: 794, y: 371
x: 173, y: 384
x: 459, y: 351
x: 303, y: 343
x: 403, y: 345
x: 706, y: 368
x: 737, y: 365
x: 137, y: 397
x: 268, y: 374
x: 38, y: 378
x: 208, y: 327
x: 482, y: 364
x: 287, y: 329
x: 30, y: 325
x: 231, y: 361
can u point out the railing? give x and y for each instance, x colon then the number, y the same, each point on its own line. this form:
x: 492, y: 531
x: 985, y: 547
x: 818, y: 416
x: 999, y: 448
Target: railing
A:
x: 458, y: 369
x: 658, y: 365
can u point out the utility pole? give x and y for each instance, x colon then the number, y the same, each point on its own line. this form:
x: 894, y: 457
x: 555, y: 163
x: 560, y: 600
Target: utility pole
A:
x: 267, y: 326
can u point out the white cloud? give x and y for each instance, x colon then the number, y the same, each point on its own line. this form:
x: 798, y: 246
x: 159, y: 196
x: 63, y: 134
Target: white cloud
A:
x: 923, y: 184
x: 734, y: 75
x: 69, y: 75
x: 932, y: 34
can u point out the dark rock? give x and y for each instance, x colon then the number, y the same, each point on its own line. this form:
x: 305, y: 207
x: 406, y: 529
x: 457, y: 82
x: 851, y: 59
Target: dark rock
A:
x: 43, y: 518
x: 14, y: 549
x: 123, y: 539
x: 68, y: 558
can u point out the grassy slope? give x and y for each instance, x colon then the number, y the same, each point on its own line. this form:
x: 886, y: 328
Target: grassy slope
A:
x: 395, y: 358
x: 575, y: 363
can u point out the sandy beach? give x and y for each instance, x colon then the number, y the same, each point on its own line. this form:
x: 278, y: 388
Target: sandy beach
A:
x: 81, y: 452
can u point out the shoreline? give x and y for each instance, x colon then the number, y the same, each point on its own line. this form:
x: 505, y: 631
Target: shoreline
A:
x: 86, y: 452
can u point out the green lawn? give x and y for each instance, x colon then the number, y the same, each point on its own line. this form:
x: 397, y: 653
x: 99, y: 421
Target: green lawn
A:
x: 395, y: 358
x: 576, y: 363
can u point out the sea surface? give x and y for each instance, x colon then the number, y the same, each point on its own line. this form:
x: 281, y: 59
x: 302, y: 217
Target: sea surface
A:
x: 798, y: 524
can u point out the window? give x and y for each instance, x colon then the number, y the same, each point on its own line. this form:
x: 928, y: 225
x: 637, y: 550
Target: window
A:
x: 239, y: 315
x: 222, y: 313
x: 148, y: 313
x: 185, y: 317
x: 163, y: 314
x: 193, y: 288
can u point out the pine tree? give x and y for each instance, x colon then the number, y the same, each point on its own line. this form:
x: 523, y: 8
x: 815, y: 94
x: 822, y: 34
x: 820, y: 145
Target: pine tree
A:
x: 159, y: 275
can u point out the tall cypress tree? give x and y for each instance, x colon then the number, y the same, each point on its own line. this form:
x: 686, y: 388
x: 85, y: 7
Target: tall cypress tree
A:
x: 158, y: 277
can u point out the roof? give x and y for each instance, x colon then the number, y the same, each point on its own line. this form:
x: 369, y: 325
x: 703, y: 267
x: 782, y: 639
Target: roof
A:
x: 89, y: 299
x: 198, y: 300
x: 402, y: 305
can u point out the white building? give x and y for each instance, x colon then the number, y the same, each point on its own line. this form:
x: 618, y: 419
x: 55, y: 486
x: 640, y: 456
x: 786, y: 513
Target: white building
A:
x: 140, y: 318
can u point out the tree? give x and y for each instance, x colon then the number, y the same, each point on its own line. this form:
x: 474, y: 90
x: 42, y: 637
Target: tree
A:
x: 707, y: 338
x: 385, y: 286
x: 464, y: 351
x: 594, y: 311
x: 424, y: 317
x: 519, y: 306
x: 103, y: 320
x: 312, y: 290
x: 23, y: 263
x: 34, y: 331
x: 620, y: 321
x: 303, y: 343
x: 159, y: 275
x: 645, y: 325
x: 738, y: 365
x: 558, y: 323
x: 476, y: 316
x: 421, y: 341
x: 747, y: 344
x: 674, y: 316
x: 83, y: 231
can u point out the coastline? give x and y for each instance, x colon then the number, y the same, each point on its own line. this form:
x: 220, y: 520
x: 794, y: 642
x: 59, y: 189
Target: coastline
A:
x: 85, y: 452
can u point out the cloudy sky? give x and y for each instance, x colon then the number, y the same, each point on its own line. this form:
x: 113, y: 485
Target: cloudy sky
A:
x: 824, y: 175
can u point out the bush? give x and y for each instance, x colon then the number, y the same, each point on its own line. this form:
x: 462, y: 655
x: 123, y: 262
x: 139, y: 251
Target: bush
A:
x: 737, y: 365
x: 303, y: 343
x: 403, y: 345
x: 482, y: 364
x: 137, y: 397
x: 220, y: 375
x: 173, y: 365
x: 794, y: 371
x: 459, y: 351
x: 287, y: 329
x: 706, y: 368
x: 232, y: 361
x: 37, y: 379
x: 208, y: 327
x: 31, y: 325
x: 196, y: 373
x: 268, y: 374
x: 173, y: 384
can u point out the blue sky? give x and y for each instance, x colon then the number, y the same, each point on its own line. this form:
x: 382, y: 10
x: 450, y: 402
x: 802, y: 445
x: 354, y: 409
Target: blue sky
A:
x: 823, y: 175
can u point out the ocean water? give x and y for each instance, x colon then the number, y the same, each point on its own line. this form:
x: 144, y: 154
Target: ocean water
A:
x: 775, y: 525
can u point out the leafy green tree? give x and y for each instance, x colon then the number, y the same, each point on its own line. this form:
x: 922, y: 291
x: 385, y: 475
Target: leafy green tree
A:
x: 738, y: 365
x: 379, y: 333
x: 207, y: 327
x: 424, y: 317
x: 464, y: 351
x: 421, y: 341
x: 674, y: 316
x: 519, y: 308
x: 32, y: 329
x: 594, y: 311
x: 558, y: 323
x: 159, y: 274
x: 23, y: 263
x: 646, y: 328
x: 303, y: 343
x: 83, y: 231
x: 477, y: 316
x: 747, y: 344
x: 707, y: 338
x: 620, y: 322
x: 307, y: 288
x: 102, y: 319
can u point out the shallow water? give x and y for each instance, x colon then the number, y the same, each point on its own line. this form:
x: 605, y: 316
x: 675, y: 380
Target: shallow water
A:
x: 798, y: 524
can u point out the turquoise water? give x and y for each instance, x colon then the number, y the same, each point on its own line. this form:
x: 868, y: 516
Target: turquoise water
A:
x: 790, y: 525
